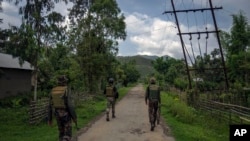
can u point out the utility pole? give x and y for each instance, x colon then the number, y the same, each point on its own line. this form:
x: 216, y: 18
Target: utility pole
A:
x: 182, y: 44
x: 201, y: 32
x: 218, y: 38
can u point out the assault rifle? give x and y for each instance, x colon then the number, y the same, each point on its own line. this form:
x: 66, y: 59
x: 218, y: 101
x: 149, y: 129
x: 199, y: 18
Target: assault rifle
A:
x: 71, y: 109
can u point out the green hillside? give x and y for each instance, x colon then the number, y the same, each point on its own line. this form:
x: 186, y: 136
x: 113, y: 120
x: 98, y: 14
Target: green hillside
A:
x: 143, y: 63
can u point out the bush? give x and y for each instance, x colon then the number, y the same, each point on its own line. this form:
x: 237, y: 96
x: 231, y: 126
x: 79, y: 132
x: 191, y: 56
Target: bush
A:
x: 16, y: 101
x: 179, y: 109
x: 180, y: 84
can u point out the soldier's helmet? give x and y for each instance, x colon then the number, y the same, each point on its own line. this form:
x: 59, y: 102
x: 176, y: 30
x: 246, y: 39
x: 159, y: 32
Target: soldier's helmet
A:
x: 152, y: 80
x: 111, y: 80
x: 62, y: 80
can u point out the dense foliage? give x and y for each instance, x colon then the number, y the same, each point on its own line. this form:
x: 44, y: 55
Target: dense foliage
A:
x: 85, y: 49
x: 236, y: 45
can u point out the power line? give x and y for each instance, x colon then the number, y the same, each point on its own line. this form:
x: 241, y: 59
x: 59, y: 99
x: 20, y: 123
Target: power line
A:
x: 184, y: 48
x: 169, y: 26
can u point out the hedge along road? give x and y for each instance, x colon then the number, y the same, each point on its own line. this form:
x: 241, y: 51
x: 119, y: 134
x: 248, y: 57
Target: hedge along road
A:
x: 131, y: 122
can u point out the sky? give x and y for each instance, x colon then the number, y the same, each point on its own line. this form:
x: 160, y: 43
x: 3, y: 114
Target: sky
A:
x: 150, y: 32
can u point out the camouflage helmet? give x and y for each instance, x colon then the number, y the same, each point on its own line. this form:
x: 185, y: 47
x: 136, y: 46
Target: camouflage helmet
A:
x: 152, y: 80
x: 111, y: 80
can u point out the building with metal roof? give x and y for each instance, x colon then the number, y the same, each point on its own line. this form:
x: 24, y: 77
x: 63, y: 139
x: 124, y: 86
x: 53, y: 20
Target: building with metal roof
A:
x: 7, y: 61
x: 14, y: 78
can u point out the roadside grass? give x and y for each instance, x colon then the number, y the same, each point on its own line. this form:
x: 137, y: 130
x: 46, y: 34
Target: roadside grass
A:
x: 188, y: 124
x: 14, y: 124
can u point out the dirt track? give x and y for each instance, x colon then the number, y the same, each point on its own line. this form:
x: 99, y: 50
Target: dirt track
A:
x: 131, y: 122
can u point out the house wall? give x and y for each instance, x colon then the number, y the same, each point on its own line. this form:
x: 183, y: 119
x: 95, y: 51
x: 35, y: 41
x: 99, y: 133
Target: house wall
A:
x: 14, y: 81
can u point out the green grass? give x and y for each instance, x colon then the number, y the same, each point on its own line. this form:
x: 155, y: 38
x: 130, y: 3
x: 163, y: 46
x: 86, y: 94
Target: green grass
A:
x: 14, y: 126
x: 14, y: 121
x: 188, y: 124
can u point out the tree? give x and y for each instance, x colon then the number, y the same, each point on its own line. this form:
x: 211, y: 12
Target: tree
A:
x: 236, y: 43
x: 170, y: 68
x: 30, y: 39
x: 208, y: 68
x: 78, y: 10
x: 94, y: 38
x: 4, y: 35
x: 59, y: 61
x: 161, y: 65
x: 130, y: 71
x: 1, y: 9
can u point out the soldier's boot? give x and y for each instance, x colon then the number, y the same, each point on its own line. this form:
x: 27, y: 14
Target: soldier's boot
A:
x: 152, y: 127
x: 66, y: 138
x: 107, y: 118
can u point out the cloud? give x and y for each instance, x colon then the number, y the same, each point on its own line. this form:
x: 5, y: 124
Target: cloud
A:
x: 62, y: 8
x: 9, y: 8
x: 155, y: 36
x: 9, y: 15
x: 135, y: 22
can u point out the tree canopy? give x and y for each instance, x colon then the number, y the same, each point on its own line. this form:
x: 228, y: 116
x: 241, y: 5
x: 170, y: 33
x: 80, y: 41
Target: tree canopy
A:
x: 236, y: 45
x: 85, y: 50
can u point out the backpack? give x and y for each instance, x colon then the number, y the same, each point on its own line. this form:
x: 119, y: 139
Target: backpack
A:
x: 110, y: 91
x: 153, y: 92
x: 59, y: 95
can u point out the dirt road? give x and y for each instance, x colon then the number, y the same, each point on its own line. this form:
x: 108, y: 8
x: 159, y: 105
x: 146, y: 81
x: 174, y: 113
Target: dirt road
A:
x: 131, y: 122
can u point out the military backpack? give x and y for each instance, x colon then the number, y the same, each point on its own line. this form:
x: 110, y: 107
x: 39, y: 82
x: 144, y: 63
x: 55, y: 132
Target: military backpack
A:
x: 110, y: 91
x: 59, y: 95
x: 153, y: 92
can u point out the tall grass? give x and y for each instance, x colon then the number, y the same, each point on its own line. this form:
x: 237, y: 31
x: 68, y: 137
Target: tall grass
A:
x: 188, y: 124
x: 14, y: 121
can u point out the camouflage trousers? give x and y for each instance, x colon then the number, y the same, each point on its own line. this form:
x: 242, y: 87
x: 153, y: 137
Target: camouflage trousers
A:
x: 64, y: 124
x: 110, y: 105
x: 152, y: 111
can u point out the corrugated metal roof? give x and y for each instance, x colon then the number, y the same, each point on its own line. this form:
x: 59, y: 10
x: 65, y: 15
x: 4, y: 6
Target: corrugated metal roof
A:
x: 7, y: 61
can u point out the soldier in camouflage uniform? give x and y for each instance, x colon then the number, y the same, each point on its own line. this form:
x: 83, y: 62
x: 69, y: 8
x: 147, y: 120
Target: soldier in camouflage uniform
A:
x: 112, y: 94
x: 63, y: 109
x: 153, y: 100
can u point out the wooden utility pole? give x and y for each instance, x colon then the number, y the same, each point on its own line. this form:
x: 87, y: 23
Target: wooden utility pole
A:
x: 201, y: 32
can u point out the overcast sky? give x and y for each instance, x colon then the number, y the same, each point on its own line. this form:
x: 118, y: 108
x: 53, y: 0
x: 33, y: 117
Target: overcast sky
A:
x: 149, y: 32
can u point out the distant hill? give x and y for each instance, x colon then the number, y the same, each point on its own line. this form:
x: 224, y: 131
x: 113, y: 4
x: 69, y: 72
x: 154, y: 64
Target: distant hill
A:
x: 143, y: 63
x: 149, y: 57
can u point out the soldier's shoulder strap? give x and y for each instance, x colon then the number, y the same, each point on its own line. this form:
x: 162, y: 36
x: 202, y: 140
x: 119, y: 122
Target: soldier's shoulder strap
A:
x: 155, y: 87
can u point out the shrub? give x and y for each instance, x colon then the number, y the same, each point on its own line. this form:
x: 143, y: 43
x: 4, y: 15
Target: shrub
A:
x: 179, y: 109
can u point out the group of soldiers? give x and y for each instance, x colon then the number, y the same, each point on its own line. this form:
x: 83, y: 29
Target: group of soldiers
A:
x: 62, y: 106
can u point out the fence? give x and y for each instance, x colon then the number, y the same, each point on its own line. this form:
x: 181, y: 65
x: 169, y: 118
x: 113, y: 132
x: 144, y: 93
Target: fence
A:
x: 38, y: 110
x: 234, y: 114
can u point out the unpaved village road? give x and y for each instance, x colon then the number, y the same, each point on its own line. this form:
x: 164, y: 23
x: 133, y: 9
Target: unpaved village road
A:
x: 131, y: 122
